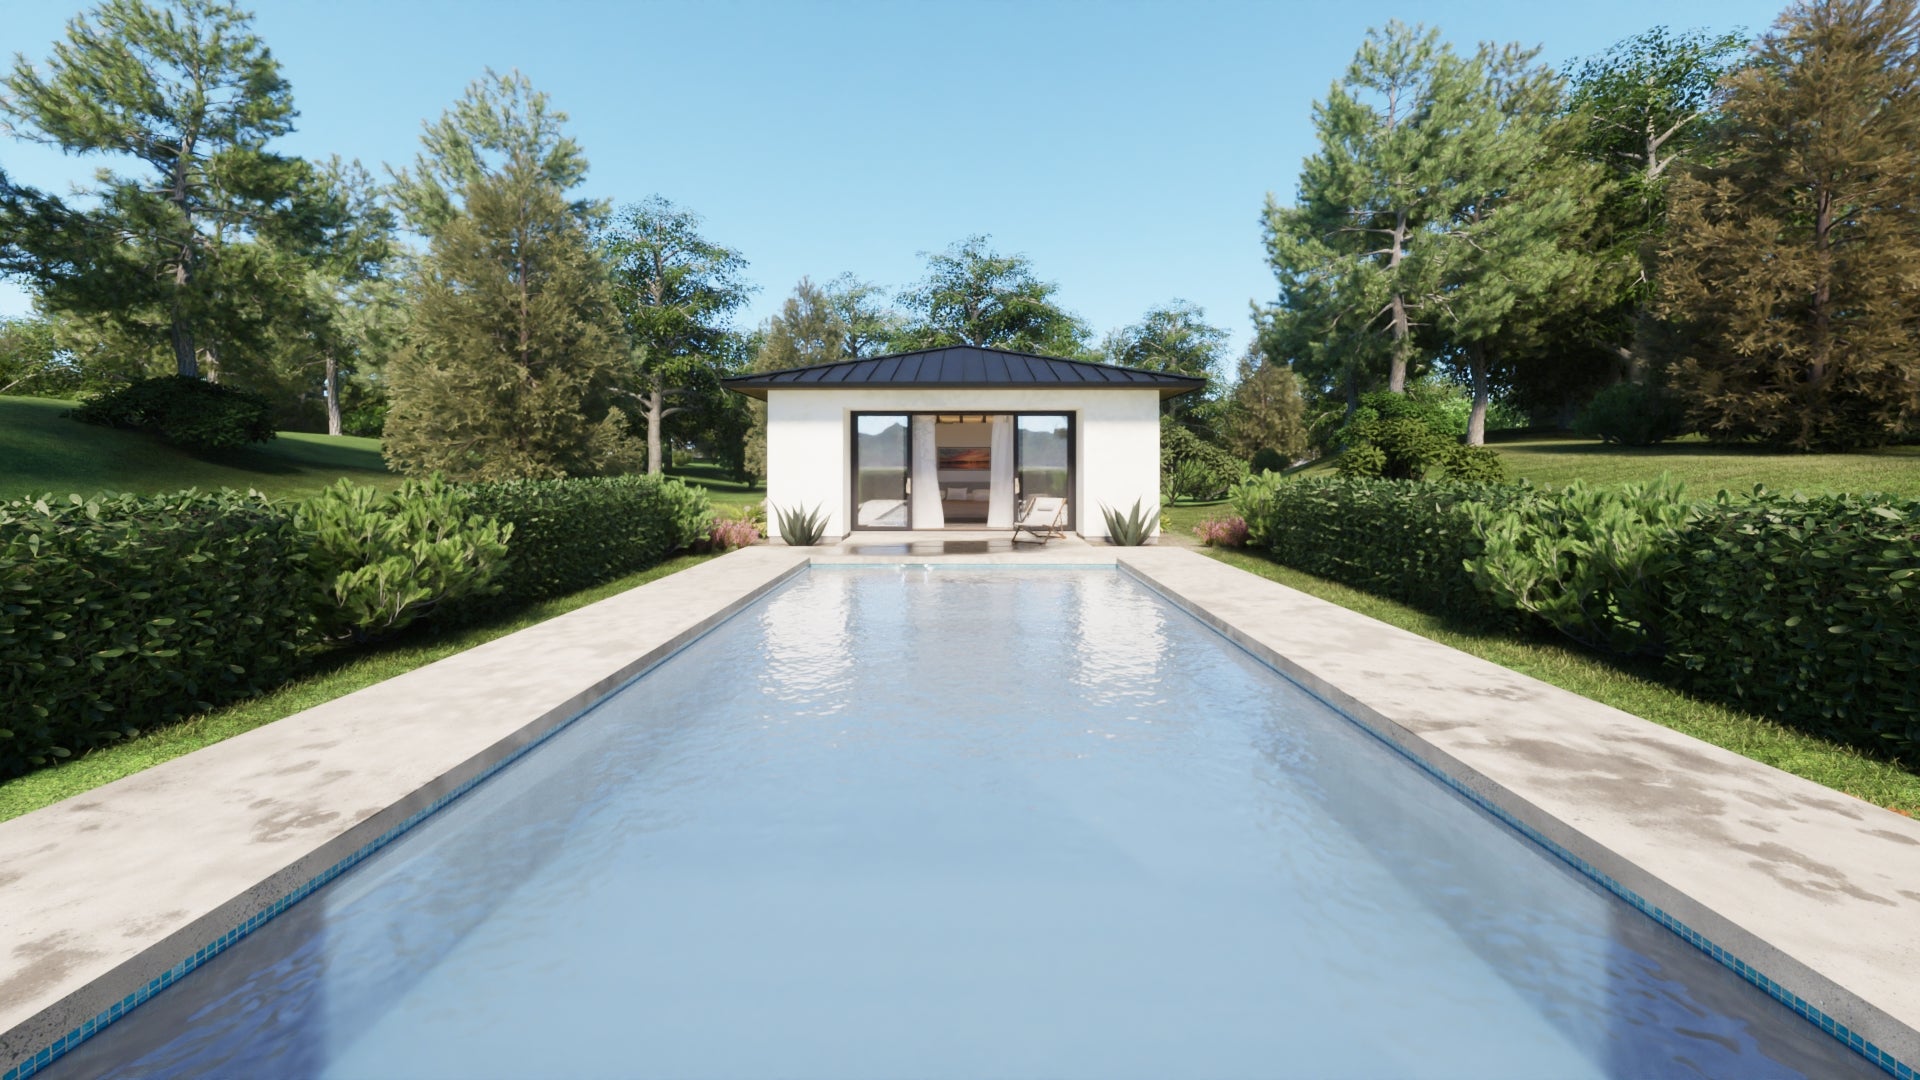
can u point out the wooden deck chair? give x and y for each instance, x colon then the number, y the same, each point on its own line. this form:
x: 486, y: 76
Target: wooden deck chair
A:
x: 1042, y: 516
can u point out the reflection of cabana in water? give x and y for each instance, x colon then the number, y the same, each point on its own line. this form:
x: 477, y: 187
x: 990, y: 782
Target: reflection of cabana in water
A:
x: 960, y: 437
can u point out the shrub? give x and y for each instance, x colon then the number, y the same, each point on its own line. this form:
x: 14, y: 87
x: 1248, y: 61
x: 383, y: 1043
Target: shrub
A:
x: 736, y: 528
x: 1267, y: 459
x: 802, y: 528
x: 1591, y: 562
x: 1472, y: 465
x: 1191, y: 468
x: 572, y: 534
x: 1400, y: 539
x: 1222, y: 532
x: 1410, y: 435
x: 1634, y: 414
x: 380, y: 560
x: 1132, y: 528
x: 124, y: 613
x: 190, y: 413
x: 1806, y: 610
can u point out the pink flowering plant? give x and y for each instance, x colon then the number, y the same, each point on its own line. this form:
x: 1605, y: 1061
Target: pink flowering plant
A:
x: 1222, y: 532
x: 735, y: 530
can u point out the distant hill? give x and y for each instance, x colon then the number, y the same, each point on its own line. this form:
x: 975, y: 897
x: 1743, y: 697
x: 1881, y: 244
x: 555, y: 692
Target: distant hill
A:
x: 42, y: 451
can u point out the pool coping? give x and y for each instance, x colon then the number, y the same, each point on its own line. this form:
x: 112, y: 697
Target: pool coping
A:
x: 1627, y: 802
x: 100, y: 952
x: 205, y: 848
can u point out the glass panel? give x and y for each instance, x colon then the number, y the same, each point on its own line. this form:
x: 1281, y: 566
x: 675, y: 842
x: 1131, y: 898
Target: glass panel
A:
x: 1042, y: 444
x: 880, y: 472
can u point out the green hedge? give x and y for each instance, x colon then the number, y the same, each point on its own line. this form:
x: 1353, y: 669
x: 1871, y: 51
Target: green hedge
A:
x: 573, y: 534
x: 1806, y: 610
x: 1402, y: 539
x: 123, y: 613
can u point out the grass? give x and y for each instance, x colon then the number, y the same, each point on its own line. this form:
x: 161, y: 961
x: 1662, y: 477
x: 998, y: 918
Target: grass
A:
x: 41, y: 451
x: 347, y: 673
x: 1706, y: 469
x: 1628, y: 688
x: 1556, y: 461
x: 722, y: 489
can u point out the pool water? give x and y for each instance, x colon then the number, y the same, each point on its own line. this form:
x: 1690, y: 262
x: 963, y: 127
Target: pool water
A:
x: 965, y: 823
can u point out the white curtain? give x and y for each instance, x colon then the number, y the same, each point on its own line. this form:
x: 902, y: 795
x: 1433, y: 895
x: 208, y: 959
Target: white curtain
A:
x: 1000, y: 492
x: 926, y: 476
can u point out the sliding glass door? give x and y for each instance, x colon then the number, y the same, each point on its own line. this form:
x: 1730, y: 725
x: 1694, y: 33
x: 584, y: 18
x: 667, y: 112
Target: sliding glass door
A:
x: 881, y: 463
x: 1043, y: 455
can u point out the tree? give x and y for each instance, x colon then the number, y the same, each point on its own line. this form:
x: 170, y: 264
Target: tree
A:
x: 32, y: 361
x: 346, y: 313
x: 1644, y: 112
x: 1174, y: 339
x: 1264, y: 410
x: 1523, y: 209
x: 189, y: 93
x: 676, y: 292
x: 514, y: 345
x: 811, y: 328
x: 1360, y: 245
x: 1794, y: 258
x: 500, y: 118
x: 973, y: 295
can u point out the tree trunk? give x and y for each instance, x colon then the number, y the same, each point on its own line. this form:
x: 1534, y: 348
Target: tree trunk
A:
x: 656, y: 400
x: 186, y: 360
x: 1397, y: 372
x: 1482, y: 394
x: 212, y: 363
x: 333, y: 395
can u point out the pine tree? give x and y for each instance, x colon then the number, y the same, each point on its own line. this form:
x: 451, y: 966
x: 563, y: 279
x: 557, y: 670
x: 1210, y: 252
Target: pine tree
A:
x: 187, y: 92
x: 1265, y: 411
x: 514, y: 343
x: 1795, y: 259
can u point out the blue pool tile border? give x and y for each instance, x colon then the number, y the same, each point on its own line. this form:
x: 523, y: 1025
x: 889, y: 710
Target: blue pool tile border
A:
x: 1852, y: 1039
x: 59, y: 1047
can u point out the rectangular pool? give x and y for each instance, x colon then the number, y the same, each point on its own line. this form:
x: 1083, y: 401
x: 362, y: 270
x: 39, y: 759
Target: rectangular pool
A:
x: 962, y: 823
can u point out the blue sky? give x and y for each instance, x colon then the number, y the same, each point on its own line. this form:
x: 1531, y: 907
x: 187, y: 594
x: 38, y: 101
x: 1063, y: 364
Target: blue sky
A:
x: 1125, y: 148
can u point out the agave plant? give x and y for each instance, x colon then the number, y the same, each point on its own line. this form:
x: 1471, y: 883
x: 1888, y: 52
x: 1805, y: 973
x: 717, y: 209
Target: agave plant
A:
x: 1130, y: 529
x: 801, y: 528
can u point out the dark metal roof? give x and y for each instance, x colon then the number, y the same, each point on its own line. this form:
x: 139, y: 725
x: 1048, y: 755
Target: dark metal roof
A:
x: 961, y: 365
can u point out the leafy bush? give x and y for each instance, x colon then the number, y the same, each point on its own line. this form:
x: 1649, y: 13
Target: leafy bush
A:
x: 1191, y: 468
x: 190, y: 413
x: 1634, y: 414
x: 1591, y: 562
x: 1222, y: 532
x: 1267, y: 459
x: 1472, y: 465
x: 1400, y: 539
x: 576, y: 533
x: 1130, y: 529
x: 1806, y: 610
x: 380, y: 560
x: 124, y: 613
x: 736, y: 528
x: 1409, y: 434
x: 802, y: 528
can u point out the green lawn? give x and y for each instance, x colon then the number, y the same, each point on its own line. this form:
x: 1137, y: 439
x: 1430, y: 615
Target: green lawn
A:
x: 722, y: 489
x: 42, y: 451
x: 1706, y: 469
x: 1556, y: 461
x: 348, y: 672
x: 1628, y: 688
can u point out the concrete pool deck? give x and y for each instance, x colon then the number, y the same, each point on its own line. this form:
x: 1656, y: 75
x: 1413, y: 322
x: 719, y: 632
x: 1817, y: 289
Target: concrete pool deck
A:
x: 107, y: 895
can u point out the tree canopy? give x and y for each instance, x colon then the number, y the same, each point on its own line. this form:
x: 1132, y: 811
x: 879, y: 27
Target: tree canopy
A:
x: 973, y: 295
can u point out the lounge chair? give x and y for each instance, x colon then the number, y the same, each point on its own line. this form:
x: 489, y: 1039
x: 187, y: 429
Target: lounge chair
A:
x: 1042, y: 516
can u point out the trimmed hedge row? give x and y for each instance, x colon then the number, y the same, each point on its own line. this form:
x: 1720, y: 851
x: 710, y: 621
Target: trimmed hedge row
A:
x: 574, y: 534
x: 1807, y: 610
x: 126, y: 613
x: 119, y: 614
x: 1400, y: 539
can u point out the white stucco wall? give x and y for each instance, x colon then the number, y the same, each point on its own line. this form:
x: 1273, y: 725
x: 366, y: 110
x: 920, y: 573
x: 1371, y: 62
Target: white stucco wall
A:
x: 1116, y: 451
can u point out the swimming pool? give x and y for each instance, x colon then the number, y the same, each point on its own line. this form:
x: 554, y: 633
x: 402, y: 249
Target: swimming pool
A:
x: 964, y: 823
